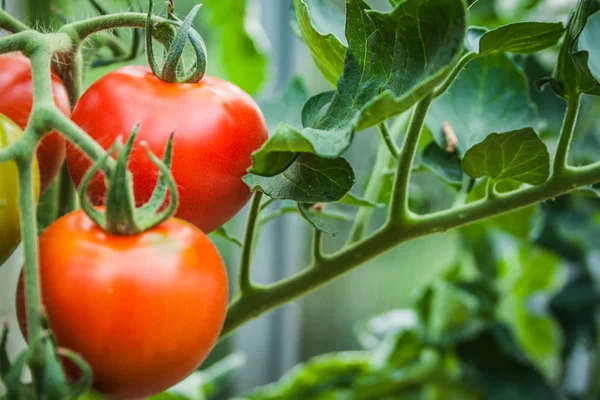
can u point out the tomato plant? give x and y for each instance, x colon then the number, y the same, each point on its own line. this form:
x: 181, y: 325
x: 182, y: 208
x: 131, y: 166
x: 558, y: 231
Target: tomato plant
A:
x: 138, y: 298
x: 16, y: 102
x: 10, y: 234
x: 217, y: 127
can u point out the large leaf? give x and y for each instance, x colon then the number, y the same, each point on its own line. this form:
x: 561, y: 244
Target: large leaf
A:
x: 518, y: 37
x: 501, y: 368
x: 393, y: 60
x: 244, y: 45
x: 309, y: 179
x: 518, y: 155
x: 489, y: 95
x: 315, y: 19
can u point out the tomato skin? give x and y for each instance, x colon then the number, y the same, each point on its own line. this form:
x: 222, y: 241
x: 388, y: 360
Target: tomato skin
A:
x: 217, y: 127
x: 16, y: 102
x: 144, y: 311
x: 10, y: 233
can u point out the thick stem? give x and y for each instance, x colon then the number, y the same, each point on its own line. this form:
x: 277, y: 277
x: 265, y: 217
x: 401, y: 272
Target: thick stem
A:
x: 440, y: 90
x: 10, y: 23
x: 245, y: 285
x: 244, y: 309
x: 317, y: 246
x: 561, y: 165
x: 85, y: 28
x: 382, y: 163
x: 399, y: 210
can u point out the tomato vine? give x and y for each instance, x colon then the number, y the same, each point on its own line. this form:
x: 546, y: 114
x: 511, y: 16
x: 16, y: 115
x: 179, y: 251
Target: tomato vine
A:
x: 402, y: 224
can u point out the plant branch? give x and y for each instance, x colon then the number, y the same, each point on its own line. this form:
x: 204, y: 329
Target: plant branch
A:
x: 399, y: 210
x: 561, y: 159
x: 10, y: 23
x: 245, y: 285
x: 83, y: 29
x: 440, y: 90
x: 242, y: 310
x: 389, y: 141
x: 373, y: 189
x: 317, y: 246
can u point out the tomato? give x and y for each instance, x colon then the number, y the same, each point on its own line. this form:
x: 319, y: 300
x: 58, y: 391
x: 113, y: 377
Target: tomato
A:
x: 10, y: 234
x: 217, y: 127
x: 144, y: 310
x: 16, y: 102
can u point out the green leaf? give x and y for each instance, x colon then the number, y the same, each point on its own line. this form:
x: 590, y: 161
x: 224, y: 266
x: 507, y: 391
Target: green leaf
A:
x: 393, y: 60
x: 326, y: 49
x: 284, y: 105
x: 490, y: 95
x: 353, y: 200
x: 501, y: 369
x: 518, y: 155
x: 572, y: 75
x: 315, y: 219
x: 308, y: 180
x: 588, y: 41
x: 445, y: 165
x: 222, y: 233
x: 243, y: 45
x: 518, y: 37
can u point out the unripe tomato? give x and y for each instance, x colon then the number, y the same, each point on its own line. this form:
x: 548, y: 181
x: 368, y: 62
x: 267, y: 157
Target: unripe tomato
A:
x: 144, y: 310
x: 217, y: 127
x: 10, y: 227
x: 16, y: 100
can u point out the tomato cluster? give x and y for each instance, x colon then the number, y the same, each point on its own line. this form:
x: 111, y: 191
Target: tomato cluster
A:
x: 143, y: 310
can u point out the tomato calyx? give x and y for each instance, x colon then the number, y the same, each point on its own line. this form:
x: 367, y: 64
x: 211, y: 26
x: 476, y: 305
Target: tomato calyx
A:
x: 121, y: 217
x: 172, y: 70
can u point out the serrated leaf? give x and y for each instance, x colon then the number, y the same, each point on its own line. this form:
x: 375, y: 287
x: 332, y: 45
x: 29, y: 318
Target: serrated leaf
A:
x: 518, y: 37
x: 394, y: 58
x: 309, y: 179
x: 518, y: 155
x: 490, y: 95
x: 408, y: 52
x: 326, y: 49
x: 353, y: 200
x: 445, y: 165
x: 316, y: 220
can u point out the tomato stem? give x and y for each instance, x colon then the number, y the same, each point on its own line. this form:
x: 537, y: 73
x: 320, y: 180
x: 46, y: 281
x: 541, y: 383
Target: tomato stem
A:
x: 245, y: 285
x: 173, y: 64
x: 121, y: 216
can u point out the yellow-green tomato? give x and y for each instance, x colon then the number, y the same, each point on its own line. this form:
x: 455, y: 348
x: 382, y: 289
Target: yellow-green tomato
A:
x: 10, y: 228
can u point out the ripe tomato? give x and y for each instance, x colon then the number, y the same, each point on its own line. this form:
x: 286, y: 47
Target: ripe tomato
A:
x: 10, y: 234
x: 16, y: 102
x: 218, y: 126
x: 144, y: 311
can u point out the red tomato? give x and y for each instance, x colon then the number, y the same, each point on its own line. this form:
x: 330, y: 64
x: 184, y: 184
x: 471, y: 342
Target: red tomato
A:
x: 217, y: 125
x: 16, y: 100
x: 144, y: 311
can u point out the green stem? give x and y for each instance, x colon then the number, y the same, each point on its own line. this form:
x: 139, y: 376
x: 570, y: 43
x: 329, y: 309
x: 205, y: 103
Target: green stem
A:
x: 561, y: 165
x: 242, y: 310
x: 373, y: 189
x: 10, y: 23
x: 83, y: 29
x: 67, y: 195
x: 384, y: 132
x: 440, y: 90
x: 317, y: 246
x: 399, y: 210
x: 245, y: 285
